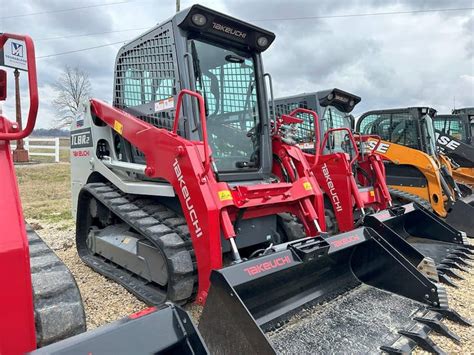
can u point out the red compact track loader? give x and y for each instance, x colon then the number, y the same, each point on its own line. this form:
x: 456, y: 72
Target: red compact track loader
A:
x: 353, y: 179
x: 176, y: 197
x: 40, y: 304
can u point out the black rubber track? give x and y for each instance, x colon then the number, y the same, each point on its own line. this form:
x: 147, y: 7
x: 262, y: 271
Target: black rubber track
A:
x: 410, y: 197
x: 59, y: 312
x: 161, y: 226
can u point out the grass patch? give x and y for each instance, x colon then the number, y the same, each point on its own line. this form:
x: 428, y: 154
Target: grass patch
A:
x: 46, y: 193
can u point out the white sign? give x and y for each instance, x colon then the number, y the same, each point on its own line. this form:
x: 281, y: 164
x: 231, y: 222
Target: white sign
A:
x: 165, y: 104
x: 305, y: 145
x: 14, y: 54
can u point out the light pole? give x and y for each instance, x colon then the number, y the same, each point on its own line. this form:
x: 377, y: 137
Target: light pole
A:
x: 20, y: 154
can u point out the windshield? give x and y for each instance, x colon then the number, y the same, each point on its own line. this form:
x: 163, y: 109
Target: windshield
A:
x: 428, y: 131
x: 226, y: 80
x: 398, y: 127
x: 334, y: 118
x: 451, y: 126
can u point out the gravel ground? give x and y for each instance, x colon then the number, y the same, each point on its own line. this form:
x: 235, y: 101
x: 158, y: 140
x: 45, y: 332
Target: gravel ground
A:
x: 105, y: 301
x: 47, y: 209
x: 462, y: 300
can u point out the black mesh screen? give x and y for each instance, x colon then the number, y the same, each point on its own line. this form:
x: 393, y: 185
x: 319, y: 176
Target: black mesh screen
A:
x: 145, y: 74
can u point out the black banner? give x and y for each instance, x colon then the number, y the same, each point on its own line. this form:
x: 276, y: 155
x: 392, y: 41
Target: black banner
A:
x: 82, y: 138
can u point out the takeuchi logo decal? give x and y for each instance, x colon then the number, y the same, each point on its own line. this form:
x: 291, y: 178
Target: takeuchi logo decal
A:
x: 229, y: 30
x: 187, y: 198
x: 268, y: 265
x: 331, y: 188
x: 345, y: 241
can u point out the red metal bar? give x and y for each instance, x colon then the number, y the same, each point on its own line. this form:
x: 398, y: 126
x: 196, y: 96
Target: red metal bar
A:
x: 202, y: 115
x: 32, y: 85
x: 317, y: 134
x: 380, y: 178
x: 17, y: 325
x: 330, y: 131
x: 365, y: 137
x: 355, y: 192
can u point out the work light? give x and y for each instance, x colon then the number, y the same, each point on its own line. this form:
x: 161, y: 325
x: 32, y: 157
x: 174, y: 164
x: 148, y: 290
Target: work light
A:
x: 199, y: 19
x: 262, y: 41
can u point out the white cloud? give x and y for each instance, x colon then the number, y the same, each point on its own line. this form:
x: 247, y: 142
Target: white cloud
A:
x: 398, y: 60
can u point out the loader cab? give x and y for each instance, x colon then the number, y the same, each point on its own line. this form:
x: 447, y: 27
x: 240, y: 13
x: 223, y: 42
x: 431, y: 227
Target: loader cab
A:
x: 458, y: 126
x: 411, y: 127
x: 469, y: 111
x: 219, y: 57
x: 333, y: 107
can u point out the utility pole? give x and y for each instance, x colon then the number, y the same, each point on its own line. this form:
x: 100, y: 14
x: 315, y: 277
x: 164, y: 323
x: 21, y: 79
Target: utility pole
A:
x: 20, y: 154
x: 178, y: 5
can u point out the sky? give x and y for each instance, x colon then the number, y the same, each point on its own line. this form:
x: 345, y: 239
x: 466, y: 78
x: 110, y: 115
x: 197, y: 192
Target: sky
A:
x: 396, y: 60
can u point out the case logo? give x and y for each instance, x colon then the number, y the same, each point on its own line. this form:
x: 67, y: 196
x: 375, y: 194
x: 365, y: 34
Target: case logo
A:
x: 447, y: 142
x: 382, y: 148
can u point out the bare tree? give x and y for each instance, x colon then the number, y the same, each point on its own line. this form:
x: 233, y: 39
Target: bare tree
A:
x: 72, y: 88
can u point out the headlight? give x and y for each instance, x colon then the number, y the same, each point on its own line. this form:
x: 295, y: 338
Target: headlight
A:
x: 330, y: 96
x: 351, y: 103
x: 199, y: 19
x: 262, y: 41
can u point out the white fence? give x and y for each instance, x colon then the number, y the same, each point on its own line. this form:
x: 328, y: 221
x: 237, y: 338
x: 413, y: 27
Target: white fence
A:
x: 30, y: 146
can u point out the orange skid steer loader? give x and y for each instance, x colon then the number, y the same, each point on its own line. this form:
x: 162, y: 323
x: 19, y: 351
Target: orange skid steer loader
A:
x: 415, y: 170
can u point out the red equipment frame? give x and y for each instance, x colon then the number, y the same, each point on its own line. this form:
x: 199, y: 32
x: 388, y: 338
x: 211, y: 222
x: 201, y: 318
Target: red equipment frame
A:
x: 339, y: 167
x: 334, y: 173
x: 17, y: 326
x: 210, y: 206
x: 292, y: 119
